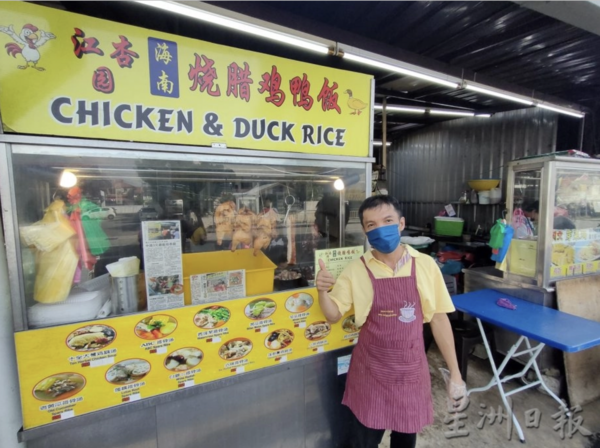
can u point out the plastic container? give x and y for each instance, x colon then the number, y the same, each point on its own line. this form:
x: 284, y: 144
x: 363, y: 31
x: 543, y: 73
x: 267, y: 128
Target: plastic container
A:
x: 124, y: 294
x: 495, y: 195
x: 448, y: 226
x: 260, y: 271
x: 484, y: 197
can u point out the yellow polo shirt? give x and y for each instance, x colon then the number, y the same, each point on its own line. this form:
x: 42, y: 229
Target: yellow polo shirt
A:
x: 353, y: 286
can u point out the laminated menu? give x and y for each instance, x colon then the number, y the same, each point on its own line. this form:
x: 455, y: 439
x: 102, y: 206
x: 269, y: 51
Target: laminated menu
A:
x: 217, y: 286
x: 336, y: 259
x: 162, y: 264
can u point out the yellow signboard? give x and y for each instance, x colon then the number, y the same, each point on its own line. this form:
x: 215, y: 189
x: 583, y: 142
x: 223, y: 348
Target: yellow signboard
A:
x: 105, y: 363
x: 71, y: 75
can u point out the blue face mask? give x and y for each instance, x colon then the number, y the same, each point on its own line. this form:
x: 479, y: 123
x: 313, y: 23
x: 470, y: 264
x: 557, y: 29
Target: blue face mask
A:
x: 384, y: 239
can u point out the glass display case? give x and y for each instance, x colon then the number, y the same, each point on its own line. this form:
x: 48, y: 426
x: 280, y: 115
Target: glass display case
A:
x: 554, y: 208
x: 77, y: 210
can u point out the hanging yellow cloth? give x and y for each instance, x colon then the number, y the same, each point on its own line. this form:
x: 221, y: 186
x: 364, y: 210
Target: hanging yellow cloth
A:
x: 56, y: 257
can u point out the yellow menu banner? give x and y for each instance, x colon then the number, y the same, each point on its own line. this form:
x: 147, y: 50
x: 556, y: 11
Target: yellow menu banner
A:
x: 104, y: 363
x: 72, y: 75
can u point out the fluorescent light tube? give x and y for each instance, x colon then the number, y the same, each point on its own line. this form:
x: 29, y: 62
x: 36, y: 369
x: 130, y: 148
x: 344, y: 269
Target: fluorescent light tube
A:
x: 416, y: 110
x: 397, y: 69
x: 377, y: 143
x: 238, y: 25
x: 483, y: 115
x: 570, y: 112
x: 498, y: 94
x: 451, y: 112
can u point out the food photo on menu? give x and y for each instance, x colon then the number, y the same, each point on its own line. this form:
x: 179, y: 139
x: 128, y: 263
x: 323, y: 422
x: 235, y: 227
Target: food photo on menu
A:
x: 279, y: 339
x: 236, y: 348
x: 155, y: 327
x: 128, y: 371
x: 90, y: 338
x: 183, y: 359
x: 349, y: 325
x: 299, y: 302
x: 317, y: 331
x: 260, y: 309
x: 212, y: 317
x: 59, y: 386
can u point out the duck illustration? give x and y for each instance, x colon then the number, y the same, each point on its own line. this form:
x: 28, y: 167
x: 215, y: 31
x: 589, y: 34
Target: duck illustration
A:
x: 27, y: 44
x: 355, y: 104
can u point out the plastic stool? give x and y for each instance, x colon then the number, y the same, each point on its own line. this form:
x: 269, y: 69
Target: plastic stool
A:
x: 466, y: 336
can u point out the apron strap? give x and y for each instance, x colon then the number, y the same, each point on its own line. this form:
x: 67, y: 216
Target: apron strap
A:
x: 371, y: 276
x: 412, y: 269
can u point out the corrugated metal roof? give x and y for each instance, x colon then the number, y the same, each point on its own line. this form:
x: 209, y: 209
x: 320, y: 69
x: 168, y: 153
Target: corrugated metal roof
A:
x: 500, y: 40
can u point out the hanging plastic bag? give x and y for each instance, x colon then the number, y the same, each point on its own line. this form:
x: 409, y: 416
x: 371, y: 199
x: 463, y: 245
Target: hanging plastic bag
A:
x: 521, y: 225
x: 499, y: 254
x: 497, y: 234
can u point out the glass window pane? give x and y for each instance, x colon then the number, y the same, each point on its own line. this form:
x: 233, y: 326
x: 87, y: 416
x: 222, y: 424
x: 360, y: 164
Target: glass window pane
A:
x: 576, y: 217
x: 116, y: 190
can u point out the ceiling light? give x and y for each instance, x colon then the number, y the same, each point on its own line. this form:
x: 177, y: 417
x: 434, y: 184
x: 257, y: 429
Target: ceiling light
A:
x: 398, y: 69
x: 238, y: 25
x: 416, y: 110
x: 378, y: 143
x: 338, y: 184
x: 498, y: 94
x: 451, y: 112
x: 483, y: 115
x: 67, y: 179
x: 561, y: 110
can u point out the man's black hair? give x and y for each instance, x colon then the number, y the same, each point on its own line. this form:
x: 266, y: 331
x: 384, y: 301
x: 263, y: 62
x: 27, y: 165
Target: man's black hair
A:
x: 378, y: 201
x: 531, y: 206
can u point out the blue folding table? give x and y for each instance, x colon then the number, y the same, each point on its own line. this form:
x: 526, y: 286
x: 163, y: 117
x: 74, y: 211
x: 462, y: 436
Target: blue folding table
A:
x: 546, y: 325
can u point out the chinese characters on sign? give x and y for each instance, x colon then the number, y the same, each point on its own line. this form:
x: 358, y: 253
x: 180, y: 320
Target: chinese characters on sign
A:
x: 566, y: 423
x: 164, y: 72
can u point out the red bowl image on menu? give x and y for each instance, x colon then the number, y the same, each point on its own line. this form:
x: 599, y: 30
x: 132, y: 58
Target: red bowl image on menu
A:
x: 235, y: 348
x: 59, y: 386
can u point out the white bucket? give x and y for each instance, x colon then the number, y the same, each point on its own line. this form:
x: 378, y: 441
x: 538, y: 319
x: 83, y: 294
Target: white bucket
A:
x: 495, y: 195
x: 484, y: 197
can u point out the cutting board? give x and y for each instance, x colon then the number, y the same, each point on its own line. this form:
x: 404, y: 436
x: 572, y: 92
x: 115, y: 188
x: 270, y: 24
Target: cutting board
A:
x: 581, y: 297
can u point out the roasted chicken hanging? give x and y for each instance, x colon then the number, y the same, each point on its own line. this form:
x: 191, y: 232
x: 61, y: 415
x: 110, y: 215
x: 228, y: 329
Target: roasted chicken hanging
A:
x: 263, y: 232
x: 224, y: 220
x: 244, y: 223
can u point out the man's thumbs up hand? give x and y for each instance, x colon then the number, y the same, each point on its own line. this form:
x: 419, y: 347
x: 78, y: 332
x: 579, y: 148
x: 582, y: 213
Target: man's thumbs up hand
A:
x: 325, y: 280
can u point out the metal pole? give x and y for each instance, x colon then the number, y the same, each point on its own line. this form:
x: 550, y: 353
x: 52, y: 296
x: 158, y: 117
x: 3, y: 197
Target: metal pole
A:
x: 342, y: 237
x: 384, y: 136
x: 581, y: 129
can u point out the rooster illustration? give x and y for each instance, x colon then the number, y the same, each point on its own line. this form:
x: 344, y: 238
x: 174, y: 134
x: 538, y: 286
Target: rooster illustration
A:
x: 27, y: 44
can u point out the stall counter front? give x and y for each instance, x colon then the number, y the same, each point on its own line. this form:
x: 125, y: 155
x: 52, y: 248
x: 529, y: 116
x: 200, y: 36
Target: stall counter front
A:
x: 71, y: 370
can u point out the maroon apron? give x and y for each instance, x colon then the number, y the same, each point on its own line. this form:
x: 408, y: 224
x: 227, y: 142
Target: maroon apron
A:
x: 388, y: 385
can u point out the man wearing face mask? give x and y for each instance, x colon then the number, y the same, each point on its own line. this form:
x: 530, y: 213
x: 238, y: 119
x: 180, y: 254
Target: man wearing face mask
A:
x: 393, y: 289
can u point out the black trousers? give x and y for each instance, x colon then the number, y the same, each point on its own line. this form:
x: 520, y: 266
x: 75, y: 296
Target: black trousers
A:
x: 363, y: 437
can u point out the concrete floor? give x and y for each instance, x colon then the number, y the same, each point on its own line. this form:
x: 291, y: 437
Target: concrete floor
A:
x: 496, y: 435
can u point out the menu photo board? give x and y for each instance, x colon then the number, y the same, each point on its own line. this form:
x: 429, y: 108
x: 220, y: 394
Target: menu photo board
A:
x: 575, y: 252
x: 105, y: 363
